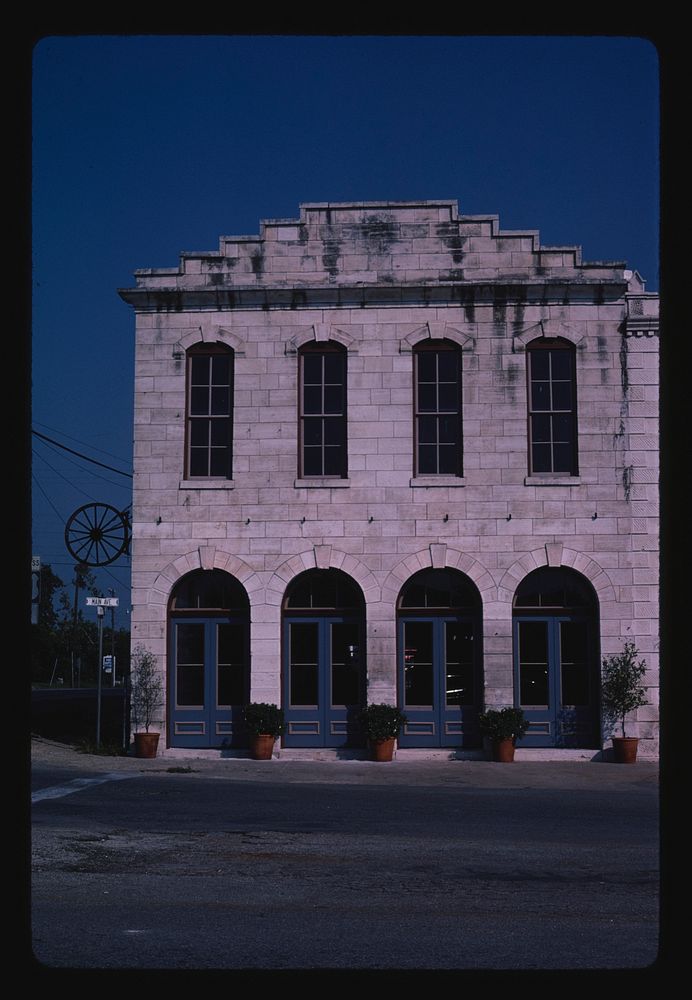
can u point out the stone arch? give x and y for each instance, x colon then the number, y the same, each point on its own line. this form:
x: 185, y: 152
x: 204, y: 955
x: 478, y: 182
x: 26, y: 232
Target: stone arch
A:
x: 216, y: 335
x: 462, y: 337
x: 558, y: 555
x: 320, y: 333
x: 550, y: 329
x: 321, y: 557
x: 439, y: 555
x: 204, y: 557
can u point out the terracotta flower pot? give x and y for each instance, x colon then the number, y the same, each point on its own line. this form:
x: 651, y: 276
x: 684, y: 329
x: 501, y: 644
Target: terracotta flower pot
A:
x: 625, y: 749
x: 502, y: 751
x: 382, y: 750
x: 262, y: 746
x: 146, y: 744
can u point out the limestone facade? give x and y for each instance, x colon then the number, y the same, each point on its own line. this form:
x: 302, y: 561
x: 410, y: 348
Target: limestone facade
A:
x: 381, y: 280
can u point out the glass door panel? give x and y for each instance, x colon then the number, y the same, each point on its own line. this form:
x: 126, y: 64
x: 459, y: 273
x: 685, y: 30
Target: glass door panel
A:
x: 574, y: 663
x: 459, y: 679
x: 230, y: 664
x: 533, y: 664
x: 303, y: 663
x: 418, y: 664
x: 345, y: 664
x: 189, y: 649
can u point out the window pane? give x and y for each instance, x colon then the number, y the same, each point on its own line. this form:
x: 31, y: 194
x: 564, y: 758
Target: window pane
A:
x: 312, y: 431
x: 312, y: 369
x: 220, y: 400
x: 562, y: 427
x: 561, y: 364
x: 345, y: 664
x: 562, y: 458
x: 448, y: 429
x: 333, y: 399
x: 449, y: 397
x: 427, y: 460
x: 303, y: 664
x: 219, y: 432
x: 190, y: 664
x: 447, y: 460
x: 574, y: 663
x: 540, y: 364
x: 199, y: 370
x: 333, y: 430
x: 540, y: 427
x: 199, y: 401
x: 418, y: 672
x: 199, y: 462
x: 427, y: 366
x: 312, y: 399
x: 459, y: 663
x: 230, y: 664
x: 334, y: 368
x: 562, y: 395
x: 427, y: 398
x: 427, y: 430
x: 540, y: 395
x: 333, y: 461
x: 199, y: 433
x: 219, y: 462
x: 533, y: 663
x: 312, y: 461
x: 541, y: 460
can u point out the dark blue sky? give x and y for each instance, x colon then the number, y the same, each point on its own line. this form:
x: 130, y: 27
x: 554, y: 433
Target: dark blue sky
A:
x: 147, y: 146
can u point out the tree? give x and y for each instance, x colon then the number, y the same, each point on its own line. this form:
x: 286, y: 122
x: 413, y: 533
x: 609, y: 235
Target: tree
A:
x: 622, y: 691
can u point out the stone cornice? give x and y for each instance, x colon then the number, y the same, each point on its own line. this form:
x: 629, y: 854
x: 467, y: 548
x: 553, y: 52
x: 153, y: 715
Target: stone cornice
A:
x: 524, y: 291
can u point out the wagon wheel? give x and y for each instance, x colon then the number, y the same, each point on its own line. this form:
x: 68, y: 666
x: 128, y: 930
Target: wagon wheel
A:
x: 96, y: 534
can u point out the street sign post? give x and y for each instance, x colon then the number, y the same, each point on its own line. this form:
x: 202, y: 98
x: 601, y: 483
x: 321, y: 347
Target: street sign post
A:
x: 100, y: 603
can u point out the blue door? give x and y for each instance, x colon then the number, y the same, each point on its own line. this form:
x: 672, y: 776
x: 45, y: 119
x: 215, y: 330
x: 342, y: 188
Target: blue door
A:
x: 556, y: 680
x: 438, y: 681
x: 208, y: 681
x: 323, y: 681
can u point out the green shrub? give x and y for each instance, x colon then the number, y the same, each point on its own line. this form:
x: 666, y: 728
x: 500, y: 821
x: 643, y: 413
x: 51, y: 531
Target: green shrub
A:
x: 503, y: 724
x: 263, y: 719
x: 621, y: 685
x: 381, y: 722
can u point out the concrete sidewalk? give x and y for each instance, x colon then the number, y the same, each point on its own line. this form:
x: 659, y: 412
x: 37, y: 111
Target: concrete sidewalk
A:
x: 427, y: 769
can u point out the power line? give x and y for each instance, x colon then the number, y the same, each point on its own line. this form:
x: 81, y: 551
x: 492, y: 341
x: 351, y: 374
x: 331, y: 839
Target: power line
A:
x: 69, y: 437
x: 80, y: 455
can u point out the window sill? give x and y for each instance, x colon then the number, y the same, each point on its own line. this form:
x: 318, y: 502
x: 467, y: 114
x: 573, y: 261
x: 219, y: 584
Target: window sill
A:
x: 552, y: 480
x: 427, y: 481
x: 322, y: 482
x: 206, y: 484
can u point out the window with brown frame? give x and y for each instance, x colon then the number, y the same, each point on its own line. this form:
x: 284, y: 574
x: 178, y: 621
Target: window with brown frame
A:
x: 437, y: 409
x: 209, y: 412
x: 552, y: 398
x: 323, y: 450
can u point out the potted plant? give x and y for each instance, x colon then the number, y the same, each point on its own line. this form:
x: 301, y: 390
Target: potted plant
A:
x: 146, y: 697
x: 381, y: 724
x: 503, y: 727
x: 622, y: 692
x: 264, y: 723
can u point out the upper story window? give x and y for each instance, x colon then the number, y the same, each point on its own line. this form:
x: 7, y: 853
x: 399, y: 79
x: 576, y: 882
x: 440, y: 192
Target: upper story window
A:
x: 552, y: 393
x: 323, y: 411
x: 437, y: 409
x: 209, y: 412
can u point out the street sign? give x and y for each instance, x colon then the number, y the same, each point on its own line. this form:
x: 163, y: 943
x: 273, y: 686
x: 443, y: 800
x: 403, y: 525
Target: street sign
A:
x: 108, y: 662
x: 102, y: 602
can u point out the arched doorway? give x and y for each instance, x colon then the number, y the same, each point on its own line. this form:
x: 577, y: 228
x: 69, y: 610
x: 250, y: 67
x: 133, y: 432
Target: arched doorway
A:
x: 556, y: 658
x: 209, y: 677
x: 323, y: 680
x: 439, y: 659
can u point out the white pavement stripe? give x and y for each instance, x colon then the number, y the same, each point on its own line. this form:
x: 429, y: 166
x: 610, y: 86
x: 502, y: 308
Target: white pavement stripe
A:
x: 57, y: 791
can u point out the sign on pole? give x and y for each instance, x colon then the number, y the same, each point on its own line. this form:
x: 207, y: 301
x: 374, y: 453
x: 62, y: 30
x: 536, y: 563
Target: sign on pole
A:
x: 35, y: 588
x: 102, y: 602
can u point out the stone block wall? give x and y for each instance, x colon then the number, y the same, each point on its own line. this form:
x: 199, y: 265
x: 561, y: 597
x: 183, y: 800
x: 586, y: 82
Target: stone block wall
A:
x: 378, y: 280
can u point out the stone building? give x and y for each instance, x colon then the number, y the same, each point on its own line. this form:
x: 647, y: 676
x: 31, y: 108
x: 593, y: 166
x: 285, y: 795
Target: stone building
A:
x: 388, y: 452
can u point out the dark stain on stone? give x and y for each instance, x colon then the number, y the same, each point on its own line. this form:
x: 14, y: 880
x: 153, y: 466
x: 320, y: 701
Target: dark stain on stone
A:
x: 600, y: 295
x: 216, y: 279
x: 298, y: 298
x: 448, y: 232
x: 330, y: 256
x: 602, y: 347
x: 303, y: 235
x: 624, y: 371
x: 499, y: 304
x: 456, y: 274
x: 377, y: 232
x: 627, y: 481
x: 257, y: 261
